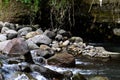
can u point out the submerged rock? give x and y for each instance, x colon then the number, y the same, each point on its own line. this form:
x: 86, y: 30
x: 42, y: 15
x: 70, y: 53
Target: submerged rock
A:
x: 62, y: 59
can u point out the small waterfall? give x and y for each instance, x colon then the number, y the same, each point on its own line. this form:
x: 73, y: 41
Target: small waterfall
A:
x: 100, y: 3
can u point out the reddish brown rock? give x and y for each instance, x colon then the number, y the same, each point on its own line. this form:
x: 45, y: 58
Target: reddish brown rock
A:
x: 62, y: 59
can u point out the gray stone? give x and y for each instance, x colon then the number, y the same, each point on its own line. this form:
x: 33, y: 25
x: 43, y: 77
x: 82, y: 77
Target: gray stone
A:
x: 61, y: 31
x: 40, y: 31
x: 39, y: 39
x: 31, y: 44
x: 76, y: 39
x: 116, y: 31
x: 59, y: 37
x: 3, y: 37
x: 4, y: 44
x: 28, y: 29
x: 4, y: 29
x: 11, y: 34
x: 50, y: 34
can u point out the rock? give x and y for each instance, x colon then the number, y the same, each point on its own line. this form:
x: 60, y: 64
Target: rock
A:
x: 28, y: 29
x: 4, y: 29
x: 68, y: 75
x: 4, y: 44
x: 59, y: 37
x: 31, y: 45
x: 7, y: 24
x: 116, y: 31
x: 42, y: 53
x: 44, y: 47
x: 39, y: 39
x: 78, y: 76
x: 31, y: 34
x: 39, y: 60
x: 61, y: 31
x: 3, y: 37
x: 76, y: 39
x: 21, y: 76
x: 98, y: 78
x: 24, y: 31
x: 50, y: 34
x: 11, y: 34
x: 16, y: 46
x: 46, y: 72
x: 65, y: 43
x: 39, y: 31
x: 62, y: 59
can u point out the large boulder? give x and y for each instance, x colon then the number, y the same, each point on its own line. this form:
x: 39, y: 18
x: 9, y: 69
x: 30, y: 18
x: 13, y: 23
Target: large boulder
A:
x: 4, y: 44
x: 62, y: 59
x: 3, y: 37
x: 16, y: 46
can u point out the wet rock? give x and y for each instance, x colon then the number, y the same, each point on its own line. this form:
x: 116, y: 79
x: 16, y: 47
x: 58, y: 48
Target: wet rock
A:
x: 3, y: 37
x: 21, y: 76
x: 31, y: 45
x: 50, y: 34
x: 39, y: 60
x: 67, y: 75
x: 16, y: 46
x: 41, y: 39
x: 31, y: 34
x: 62, y: 59
x: 78, y: 76
x: 98, y: 78
x: 46, y: 72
